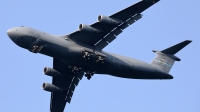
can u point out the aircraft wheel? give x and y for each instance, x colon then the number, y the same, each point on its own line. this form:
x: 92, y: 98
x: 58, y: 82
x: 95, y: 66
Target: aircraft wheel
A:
x: 89, y: 77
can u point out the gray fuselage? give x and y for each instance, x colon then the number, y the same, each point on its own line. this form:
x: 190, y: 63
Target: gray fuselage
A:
x: 87, y: 57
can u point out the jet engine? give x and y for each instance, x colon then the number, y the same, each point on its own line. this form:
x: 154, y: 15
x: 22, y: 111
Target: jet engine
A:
x: 107, y: 20
x: 50, y: 87
x: 51, y: 72
x: 87, y: 28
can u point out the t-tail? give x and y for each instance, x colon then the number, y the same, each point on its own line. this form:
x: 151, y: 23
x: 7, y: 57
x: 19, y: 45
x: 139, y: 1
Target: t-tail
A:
x: 165, y: 59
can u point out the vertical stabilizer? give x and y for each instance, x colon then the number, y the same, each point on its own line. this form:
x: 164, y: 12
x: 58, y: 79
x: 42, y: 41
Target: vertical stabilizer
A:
x: 165, y: 59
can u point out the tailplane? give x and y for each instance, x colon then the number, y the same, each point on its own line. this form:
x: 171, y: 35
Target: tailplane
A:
x: 165, y: 59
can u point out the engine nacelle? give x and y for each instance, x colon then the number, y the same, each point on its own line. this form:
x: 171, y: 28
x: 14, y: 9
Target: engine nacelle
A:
x: 51, y: 72
x: 87, y: 28
x: 107, y: 20
x: 50, y: 87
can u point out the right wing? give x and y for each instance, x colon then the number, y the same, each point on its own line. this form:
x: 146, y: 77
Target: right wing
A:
x: 101, y: 33
x: 68, y: 81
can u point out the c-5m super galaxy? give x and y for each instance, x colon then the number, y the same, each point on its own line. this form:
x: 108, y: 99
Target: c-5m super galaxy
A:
x: 80, y: 53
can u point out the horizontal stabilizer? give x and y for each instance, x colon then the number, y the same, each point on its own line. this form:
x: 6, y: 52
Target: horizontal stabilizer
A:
x: 176, y: 48
x: 165, y: 59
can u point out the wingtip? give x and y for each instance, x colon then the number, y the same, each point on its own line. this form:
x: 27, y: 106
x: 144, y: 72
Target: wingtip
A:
x: 189, y: 40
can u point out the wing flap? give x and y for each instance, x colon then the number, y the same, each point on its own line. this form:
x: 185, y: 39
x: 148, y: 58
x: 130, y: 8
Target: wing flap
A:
x: 110, y: 37
x: 72, y: 87
x: 124, y: 26
x: 76, y: 81
x: 79, y: 76
x: 68, y: 99
x: 70, y: 94
x: 117, y: 31
x: 101, y: 44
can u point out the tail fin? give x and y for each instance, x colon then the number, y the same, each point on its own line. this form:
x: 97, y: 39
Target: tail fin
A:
x: 165, y: 59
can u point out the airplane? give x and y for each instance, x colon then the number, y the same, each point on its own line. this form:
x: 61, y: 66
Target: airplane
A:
x: 81, y: 53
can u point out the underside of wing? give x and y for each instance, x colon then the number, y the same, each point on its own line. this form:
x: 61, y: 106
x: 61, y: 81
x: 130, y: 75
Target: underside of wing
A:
x: 63, y: 85
x: 103, y: 32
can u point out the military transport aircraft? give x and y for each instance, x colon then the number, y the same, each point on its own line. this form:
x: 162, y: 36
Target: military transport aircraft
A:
x: 80, y: 53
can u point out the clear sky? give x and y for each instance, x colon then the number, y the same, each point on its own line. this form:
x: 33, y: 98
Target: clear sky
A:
x: 166, y: 23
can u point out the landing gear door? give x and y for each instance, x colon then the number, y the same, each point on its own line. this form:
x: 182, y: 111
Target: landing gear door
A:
x: 100, y: 57
x: 36, y: 46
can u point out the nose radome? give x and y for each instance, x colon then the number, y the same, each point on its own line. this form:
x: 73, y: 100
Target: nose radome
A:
x: 10, y: 32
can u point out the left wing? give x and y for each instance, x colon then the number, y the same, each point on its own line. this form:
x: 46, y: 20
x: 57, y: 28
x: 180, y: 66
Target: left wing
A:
x: 103, y: 32
x: 68, y: 81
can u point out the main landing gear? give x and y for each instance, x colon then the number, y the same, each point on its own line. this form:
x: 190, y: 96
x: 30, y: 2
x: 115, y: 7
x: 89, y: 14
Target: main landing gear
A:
x: 89, y: 74
x: 94, y: 57
x: 75, y: 70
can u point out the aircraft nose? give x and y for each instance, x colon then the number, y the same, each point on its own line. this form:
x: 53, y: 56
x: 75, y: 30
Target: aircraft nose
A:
x: 14, y: 34
x: 11, y: 33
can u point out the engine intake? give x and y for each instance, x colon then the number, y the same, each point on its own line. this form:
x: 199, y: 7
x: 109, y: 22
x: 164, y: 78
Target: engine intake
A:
x: 50, y: 87
x: 108, y: 20
x: 51, y: 72
x: 87, y: 28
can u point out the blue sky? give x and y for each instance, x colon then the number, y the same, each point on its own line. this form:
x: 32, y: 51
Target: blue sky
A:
x: 164, y: 24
